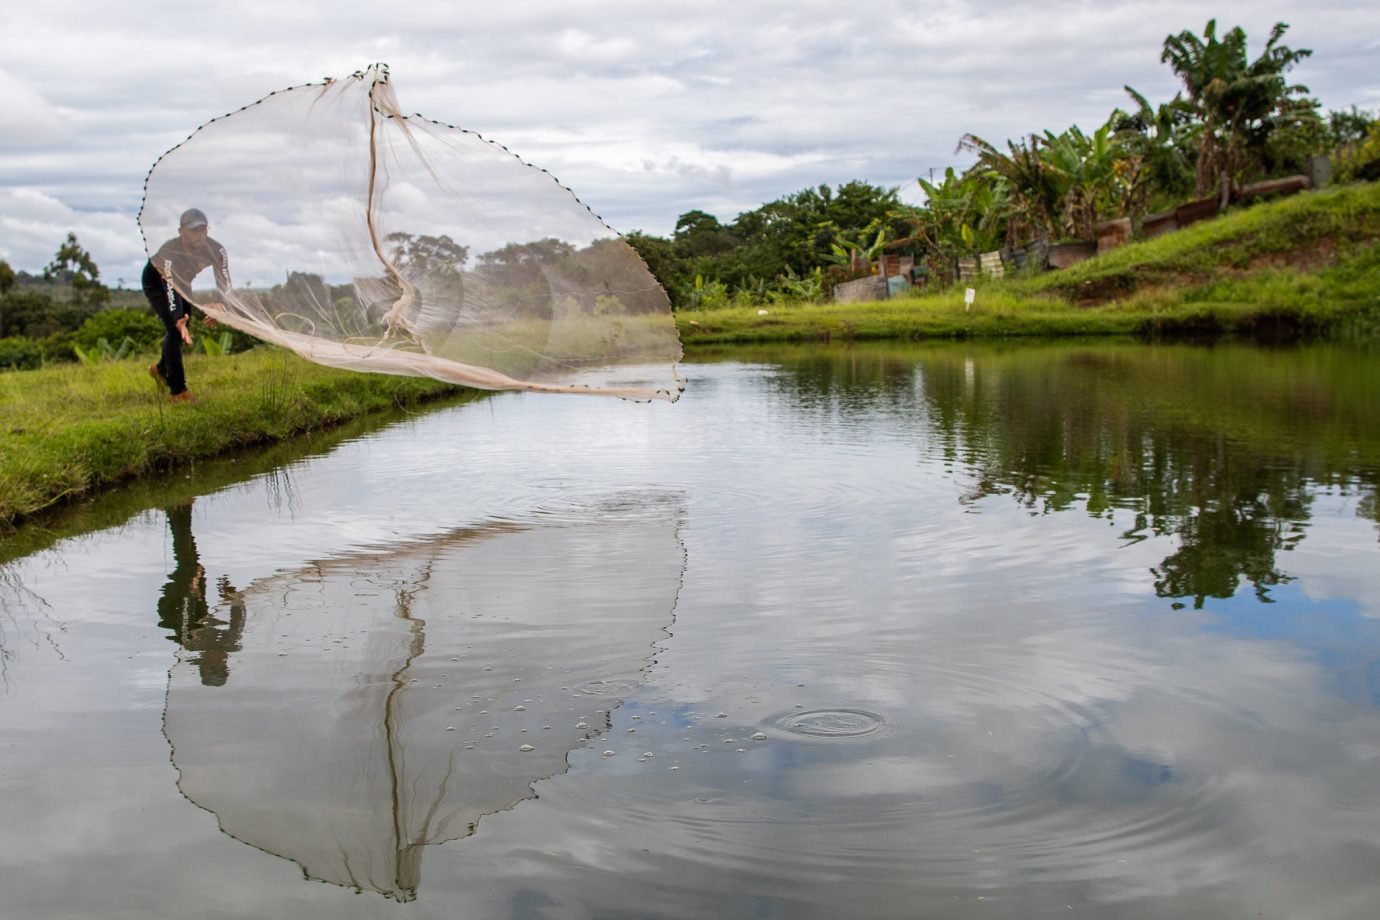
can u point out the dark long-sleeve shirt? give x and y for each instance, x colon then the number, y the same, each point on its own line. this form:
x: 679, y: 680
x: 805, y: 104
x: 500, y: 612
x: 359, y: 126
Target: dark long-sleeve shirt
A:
x: 180, y: 263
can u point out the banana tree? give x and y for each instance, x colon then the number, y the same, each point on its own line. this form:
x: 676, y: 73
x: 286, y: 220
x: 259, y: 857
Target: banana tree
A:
x: 1156, y: 168
x: 854, y: 252
x: 1237, y: 103
x: 1088, y: 173
x: 1033, y: 190
x: 963, y: 214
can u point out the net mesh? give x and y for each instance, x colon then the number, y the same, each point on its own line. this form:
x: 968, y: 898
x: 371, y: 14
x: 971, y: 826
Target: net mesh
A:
x: 363, y: 238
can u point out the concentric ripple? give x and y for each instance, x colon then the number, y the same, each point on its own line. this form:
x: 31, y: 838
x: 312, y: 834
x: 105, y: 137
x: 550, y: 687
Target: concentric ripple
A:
x: 617, y: 688
x: 1001, y: 759
x: 834, y: 724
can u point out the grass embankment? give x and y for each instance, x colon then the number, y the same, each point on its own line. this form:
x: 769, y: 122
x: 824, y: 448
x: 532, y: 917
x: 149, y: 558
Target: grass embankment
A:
x: 1302, y: 266
x: 68, y: 430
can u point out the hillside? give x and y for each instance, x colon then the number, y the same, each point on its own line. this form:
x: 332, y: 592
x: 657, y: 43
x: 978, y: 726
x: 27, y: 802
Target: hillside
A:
x: 1307, y: 233
x: 1308, y: 265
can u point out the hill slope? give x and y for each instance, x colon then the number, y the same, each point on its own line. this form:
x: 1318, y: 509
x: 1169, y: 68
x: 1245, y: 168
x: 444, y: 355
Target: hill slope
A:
x: 1302, y: 266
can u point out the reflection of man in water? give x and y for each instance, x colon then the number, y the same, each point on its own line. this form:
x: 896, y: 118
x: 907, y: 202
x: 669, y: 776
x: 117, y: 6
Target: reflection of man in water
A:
x: 182, y: 606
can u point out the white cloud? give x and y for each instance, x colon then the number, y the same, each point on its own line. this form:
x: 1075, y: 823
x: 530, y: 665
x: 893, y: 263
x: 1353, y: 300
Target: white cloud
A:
x: 33, y: 225
x: 27, y: 119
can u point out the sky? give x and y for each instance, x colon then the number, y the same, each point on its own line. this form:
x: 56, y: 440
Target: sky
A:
x: 645, y: 110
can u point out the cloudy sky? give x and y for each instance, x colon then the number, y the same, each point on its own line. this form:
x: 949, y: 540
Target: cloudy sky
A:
x: 646, y: 110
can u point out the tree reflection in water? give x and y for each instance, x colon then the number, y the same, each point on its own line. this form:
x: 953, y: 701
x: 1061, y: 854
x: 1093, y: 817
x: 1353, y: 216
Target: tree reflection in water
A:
x: 1221, y: 447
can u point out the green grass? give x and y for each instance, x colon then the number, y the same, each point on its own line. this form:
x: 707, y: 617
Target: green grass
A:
x: 997, y: 312
x: 1235, y: 242
x: 1308, y: 265
x: 68, y: 430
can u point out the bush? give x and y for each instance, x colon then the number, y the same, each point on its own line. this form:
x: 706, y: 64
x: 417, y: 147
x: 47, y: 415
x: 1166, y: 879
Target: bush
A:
x: 58, y: 347
x: 141, y: 326
x: 18, y: 354
x: 35, y: 315
x: 104, y: 351
x: 239, y: 341
x: 708, y: 295
x: 1361, y: 161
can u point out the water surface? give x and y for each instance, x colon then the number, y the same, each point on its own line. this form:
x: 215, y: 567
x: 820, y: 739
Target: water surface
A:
x: 959, y: 631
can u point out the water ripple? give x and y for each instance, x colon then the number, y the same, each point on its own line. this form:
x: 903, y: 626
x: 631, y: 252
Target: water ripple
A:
x: 832, y: 724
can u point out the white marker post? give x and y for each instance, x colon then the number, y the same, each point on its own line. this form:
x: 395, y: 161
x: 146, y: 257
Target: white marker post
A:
x: 969, y: 295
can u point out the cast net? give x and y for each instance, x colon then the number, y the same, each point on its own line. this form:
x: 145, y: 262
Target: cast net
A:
x: 363, y: 238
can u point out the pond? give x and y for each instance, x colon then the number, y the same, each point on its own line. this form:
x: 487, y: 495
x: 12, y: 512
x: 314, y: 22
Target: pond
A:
x: 1073, y: 630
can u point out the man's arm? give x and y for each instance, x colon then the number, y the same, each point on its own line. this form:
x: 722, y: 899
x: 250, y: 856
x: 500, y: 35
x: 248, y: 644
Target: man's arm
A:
x: 221, y: 266
x: 177, y: 307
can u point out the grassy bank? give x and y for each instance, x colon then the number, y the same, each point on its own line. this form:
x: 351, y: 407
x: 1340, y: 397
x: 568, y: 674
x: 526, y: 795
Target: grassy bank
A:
x: 1302, y: 266
x: 68, y: 430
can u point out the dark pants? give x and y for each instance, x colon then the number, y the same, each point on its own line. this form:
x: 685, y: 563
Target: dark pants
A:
x: 170, y: 364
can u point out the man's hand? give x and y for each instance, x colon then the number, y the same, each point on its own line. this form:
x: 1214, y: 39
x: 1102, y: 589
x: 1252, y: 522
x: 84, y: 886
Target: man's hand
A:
x: 182, y: 328
x: 210, y: 308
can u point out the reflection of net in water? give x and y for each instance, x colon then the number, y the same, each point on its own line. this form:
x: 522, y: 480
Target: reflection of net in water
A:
x: 381, y: 703
x: 25, y: 619
x: 364, y: 238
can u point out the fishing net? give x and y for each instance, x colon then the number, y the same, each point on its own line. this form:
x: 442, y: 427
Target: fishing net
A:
x: 363, y: 238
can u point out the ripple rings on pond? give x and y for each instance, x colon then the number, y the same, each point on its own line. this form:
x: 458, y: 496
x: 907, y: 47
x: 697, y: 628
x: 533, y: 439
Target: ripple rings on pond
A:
x: 614, y: 688
x: 834, y: 724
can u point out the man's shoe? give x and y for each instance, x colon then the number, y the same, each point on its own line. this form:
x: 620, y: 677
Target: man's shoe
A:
x: 184, y: 396
x: 156, y: 374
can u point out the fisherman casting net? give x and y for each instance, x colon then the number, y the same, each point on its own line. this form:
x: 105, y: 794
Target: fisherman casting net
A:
x: 363, y: 238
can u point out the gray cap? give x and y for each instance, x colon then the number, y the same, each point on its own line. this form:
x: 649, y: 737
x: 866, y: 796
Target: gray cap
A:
x: 193, y: 218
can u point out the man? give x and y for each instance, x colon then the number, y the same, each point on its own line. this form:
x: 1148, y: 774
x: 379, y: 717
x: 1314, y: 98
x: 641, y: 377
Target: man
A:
x: 170, y: 270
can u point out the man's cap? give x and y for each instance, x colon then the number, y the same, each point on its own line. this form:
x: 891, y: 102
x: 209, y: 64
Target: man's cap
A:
x: 193, y: 218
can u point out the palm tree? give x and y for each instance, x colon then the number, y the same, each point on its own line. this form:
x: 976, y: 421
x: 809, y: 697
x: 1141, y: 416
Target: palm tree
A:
x: 1235, y: 101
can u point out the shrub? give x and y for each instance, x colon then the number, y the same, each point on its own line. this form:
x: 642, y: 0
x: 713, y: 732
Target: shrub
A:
x: 36, y: 315
x: 1361, y: 161
x: 20, y: 354
x: 104, y: 351
x: 238, y: 341
x: 141, y: 326
x: 59, y: 347
x: 708, y: 295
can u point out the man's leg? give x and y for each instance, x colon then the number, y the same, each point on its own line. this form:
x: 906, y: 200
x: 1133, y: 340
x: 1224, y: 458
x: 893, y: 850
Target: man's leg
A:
x: 171, y: 362
x: 169, y: 367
